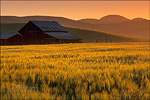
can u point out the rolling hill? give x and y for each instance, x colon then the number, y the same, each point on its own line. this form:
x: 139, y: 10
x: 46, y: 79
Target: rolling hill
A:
x: 112, y: 23
x: 106, y: 20
x: 86, y: 35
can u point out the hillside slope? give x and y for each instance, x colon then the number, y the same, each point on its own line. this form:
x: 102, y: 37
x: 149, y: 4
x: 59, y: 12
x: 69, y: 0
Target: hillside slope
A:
x: 86, y: 35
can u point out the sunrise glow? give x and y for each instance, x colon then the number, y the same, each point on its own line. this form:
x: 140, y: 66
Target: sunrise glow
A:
x: 76, y: 9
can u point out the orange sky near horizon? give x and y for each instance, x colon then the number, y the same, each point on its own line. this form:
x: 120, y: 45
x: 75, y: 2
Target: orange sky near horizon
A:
x: 76, y: 9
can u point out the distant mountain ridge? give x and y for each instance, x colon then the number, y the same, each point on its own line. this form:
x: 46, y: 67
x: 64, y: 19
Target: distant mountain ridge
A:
x: 112, y: 23
x: 109, y: 19
x: 139, y: 19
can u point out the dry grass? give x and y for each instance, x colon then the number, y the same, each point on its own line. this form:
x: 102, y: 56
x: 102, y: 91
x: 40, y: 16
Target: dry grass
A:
x: 76, y: 71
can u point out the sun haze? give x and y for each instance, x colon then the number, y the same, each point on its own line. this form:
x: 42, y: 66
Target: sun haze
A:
x: 76, y: 9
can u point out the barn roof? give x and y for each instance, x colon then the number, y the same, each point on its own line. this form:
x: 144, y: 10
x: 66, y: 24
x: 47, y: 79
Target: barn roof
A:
x: 61, y: 35
x: 6, y: 35
x: 49, y: 26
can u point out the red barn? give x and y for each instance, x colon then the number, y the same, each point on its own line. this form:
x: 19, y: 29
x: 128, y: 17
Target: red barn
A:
x: 36, y: 32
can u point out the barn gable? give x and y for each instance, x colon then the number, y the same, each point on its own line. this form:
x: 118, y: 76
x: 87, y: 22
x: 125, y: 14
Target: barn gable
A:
x: 45, y: 26
x: 30, y: 27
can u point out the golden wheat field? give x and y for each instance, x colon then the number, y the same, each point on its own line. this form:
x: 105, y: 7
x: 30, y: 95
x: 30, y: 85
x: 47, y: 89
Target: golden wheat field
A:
x: 80, y: 71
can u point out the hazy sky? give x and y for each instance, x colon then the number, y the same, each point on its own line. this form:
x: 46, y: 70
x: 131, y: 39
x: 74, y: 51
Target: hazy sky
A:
x: 76, y: 9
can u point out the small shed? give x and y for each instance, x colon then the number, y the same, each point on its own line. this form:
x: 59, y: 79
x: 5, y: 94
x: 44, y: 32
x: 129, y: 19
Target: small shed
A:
x: 10, y: 38
x: 36, y: 32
